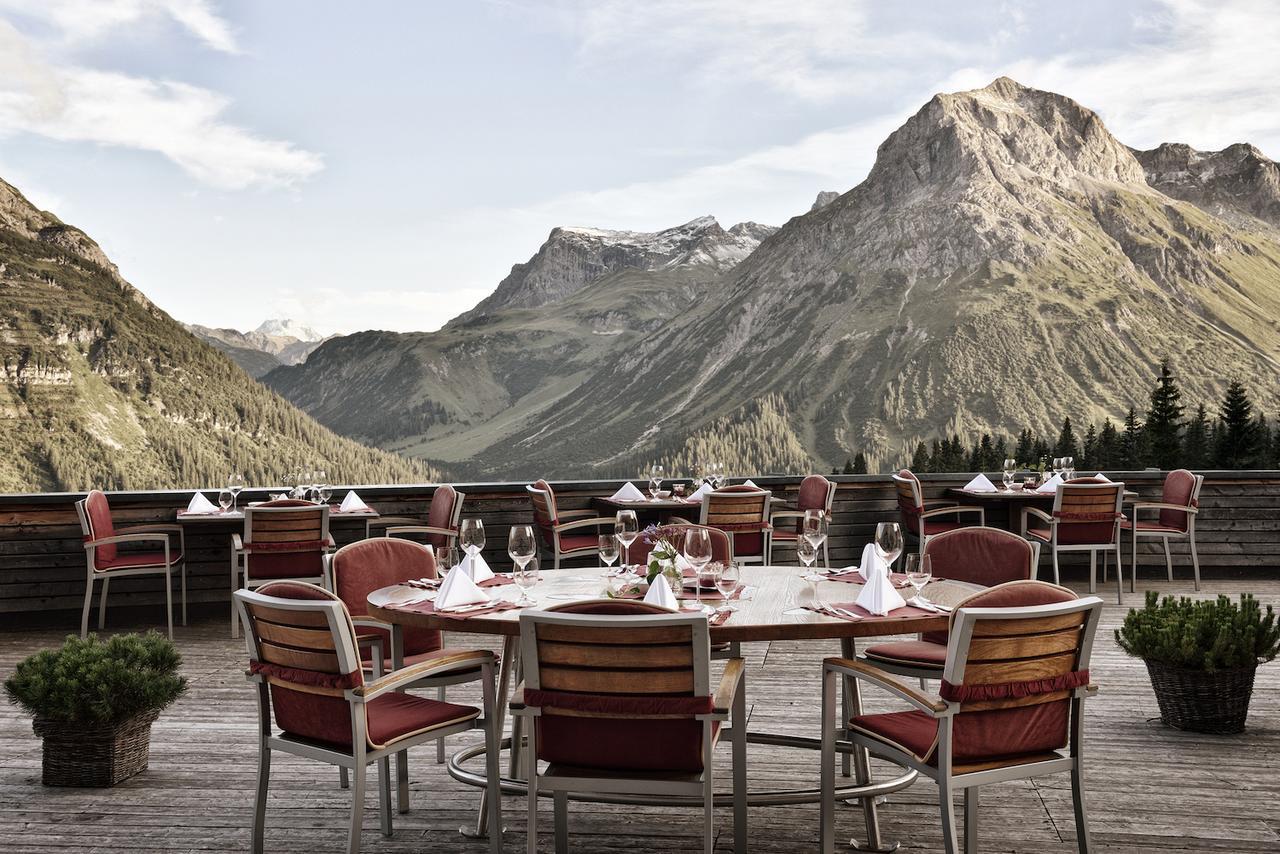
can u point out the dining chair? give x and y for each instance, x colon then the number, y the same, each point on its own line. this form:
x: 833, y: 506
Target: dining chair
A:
x: 985, y: 556
x: 444, y: 515
x: 104, y: 560
x: 816, y: 493
x: 283, y: 539
x: 305, y: 662
x: 742, y: 512
x: 917, y: 515
x: 1179, y: 505
x: 1010, y: 707
x: 358, y: 569
x: 617, y: 700
x: 559, y: 529
x: 1085, y: 518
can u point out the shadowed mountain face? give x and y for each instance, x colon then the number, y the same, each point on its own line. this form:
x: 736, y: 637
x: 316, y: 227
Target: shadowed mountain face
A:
x: 1005, y: 264
x: 102, y: 389
x: 1238, y: 184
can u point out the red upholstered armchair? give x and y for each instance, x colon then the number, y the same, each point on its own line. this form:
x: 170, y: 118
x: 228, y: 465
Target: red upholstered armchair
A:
x: 444, y: 515
x: 986, y: 556
x: 1178, y: 506
x: 617, y: 699
x: 919, y: 517
x: 567, y: 533
x: 816, y: 493
x: 305, y: 663
x: 1086, y: 518
x: 286, y: 538
x: 742, y: 512
x: 105, y: 560
x: 1011, y: 705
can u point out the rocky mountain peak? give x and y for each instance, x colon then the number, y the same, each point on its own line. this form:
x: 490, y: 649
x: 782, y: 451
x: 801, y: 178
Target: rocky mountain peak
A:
x: 1238, y: 183
x: 283, y: 327
x: 575, y: 256
x: 824, y: 198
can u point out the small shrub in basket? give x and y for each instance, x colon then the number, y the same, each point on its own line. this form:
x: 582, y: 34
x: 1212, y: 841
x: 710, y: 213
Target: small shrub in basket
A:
x: 93, y: 703
x: 1202, y: 657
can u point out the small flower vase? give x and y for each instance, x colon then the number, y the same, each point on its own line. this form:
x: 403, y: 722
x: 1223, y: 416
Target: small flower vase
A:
x: 671, y: 572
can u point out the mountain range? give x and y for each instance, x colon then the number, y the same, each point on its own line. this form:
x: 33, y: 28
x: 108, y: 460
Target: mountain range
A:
x: 274, y: 343
x: 1006, y: 263
x: 101, y: 388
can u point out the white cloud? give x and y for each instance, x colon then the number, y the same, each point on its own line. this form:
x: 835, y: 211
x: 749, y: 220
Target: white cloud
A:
x: 89, y: 20
x: 179, y: 121
x: 332, y: 310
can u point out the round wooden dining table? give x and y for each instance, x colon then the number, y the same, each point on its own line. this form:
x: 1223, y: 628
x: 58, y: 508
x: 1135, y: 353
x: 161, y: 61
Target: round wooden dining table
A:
x: 765, y: 611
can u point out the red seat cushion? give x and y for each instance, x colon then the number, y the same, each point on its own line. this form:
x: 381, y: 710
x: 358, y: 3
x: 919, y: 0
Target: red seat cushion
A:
x: 309, y: 564
x: 914, y: 731
x: 1078, y: 534
x: 136, y: 560
x: 931, y: 528
x: 619, y: 744
x: 1151, y: 527
x: 918, y: 652
x: 785, y: 534
x: 573, y: 542
x: 392, y: 716
x: 998, y: 734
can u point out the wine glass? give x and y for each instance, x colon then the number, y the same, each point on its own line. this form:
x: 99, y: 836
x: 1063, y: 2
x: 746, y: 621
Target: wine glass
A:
x: 626, y: 528
x: 919, y: 573
x: 472, y: 537
x: 1057, y: 465
x: 323, y: 490
x: 1009, y: 466
x: 727, y: 584
x: 608, y: 552
x: 815, y: 527
x: 697, y: 550
x: 520, y: 545
x: 889, y: 541
x: 235, y: 483
x: 807, y: 552
x: 1069, y: 466
x: 526, y: 576
x: 446, y: 559
x: 225, y: 499
x: 655, y: 481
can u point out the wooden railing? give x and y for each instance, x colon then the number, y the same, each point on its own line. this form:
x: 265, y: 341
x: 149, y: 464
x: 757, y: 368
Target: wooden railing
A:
x: 42, y: 563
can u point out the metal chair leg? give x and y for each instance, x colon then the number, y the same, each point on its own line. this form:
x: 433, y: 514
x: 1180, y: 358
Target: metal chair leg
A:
x: 357, y: 804
x: 168, y: 598
x: 948, y: 810
x: 827, y: 767
x: 1168, y: 558
x: 971, y: 820
x: 260, y: 799
x: 1120, y: 576
x: 384, y: 794
x: 184, y: 592
x: 1093, y: 570
x: 739, y: 723
x: 102, y: 604
x: 1056, y: 579
x: 1083, y: 842
x: 343, y: 781
x: 402, y: 781
x: 1195, y: 559
x: 440, y: 694
x: 561, y: 810
x: 88, y: 600
x: 531, y: 831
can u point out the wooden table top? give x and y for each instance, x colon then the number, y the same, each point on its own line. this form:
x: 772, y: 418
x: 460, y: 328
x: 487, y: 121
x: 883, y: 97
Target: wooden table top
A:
x: 647, y: 504
x: 1021, y: 495
x: 767, y: 615
x: 238, y: 515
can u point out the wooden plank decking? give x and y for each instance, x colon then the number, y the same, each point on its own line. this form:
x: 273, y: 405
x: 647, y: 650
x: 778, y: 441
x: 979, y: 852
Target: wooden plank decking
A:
x: 1151, y: 789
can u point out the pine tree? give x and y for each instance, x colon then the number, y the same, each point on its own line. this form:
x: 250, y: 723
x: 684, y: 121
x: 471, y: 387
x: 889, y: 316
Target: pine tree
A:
x: 859, y: 463
x: 1025, y: 448
x: 1196, y: 450
x: 1108, y: 446
x: 1265, y: 442
x: 1001, y: 451
x: 920, y: 459
x: 1066, y: 446
x: 1132, y: 452
x: 848, y: 467
x: 987, y: 455
x: 1039, y: 449
x: 1163, y: 430
x: 1089, y: 449
x: 935, y: 457
x: 1237, y: 432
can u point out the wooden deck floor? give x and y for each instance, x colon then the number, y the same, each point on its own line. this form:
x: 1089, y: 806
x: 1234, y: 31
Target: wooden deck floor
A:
x: 1151, y: 789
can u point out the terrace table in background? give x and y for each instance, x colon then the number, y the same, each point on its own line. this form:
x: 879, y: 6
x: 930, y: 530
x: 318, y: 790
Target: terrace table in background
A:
x: 1012, y: 502
x: 647, y: 509
x: 763, y: 617
x: 238, y: 515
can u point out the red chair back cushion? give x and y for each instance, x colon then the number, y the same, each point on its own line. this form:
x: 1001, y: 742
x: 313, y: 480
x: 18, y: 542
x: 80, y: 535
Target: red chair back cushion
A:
x: 986, y: 556
x: 368, y: 565
x: 910, y: 501
x: 440, y: 514
x: 98, y: 512
x: 1179, y: 486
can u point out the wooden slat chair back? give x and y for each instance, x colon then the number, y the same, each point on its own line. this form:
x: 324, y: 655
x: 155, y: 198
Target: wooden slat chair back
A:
x: 742, y: 512
x: 566, y: 534
x: 287, y: 528
x: 925, y: 520
x: 1086, y: 517
x: 283, y: 539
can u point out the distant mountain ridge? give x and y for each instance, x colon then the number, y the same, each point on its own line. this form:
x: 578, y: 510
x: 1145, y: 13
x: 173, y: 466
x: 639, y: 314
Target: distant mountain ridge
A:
x: 1006, y: 263
x: 100, y: 388
x: 272, y: 344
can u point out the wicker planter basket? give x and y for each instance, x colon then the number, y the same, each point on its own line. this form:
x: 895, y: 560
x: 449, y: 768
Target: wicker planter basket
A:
x: 80, y: 755
x: 1200, y: 700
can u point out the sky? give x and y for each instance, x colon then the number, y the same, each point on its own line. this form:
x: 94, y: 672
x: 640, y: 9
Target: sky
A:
x: 381, y: 165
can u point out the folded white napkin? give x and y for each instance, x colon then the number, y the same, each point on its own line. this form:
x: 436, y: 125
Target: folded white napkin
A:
x: 981, y: 483
x: 1051, y: 485
x: 352, y: 502
x: 682, y: 563
x: 458, y: 589
x: 660, y: 594
x: 751, y: 483
x: 872, y: 562
x: 200, y: 504
x: 878, y: 595
x: 628, y: 492
x: 701, y: 492
x: 1102, y: 477
x: 478, y: 569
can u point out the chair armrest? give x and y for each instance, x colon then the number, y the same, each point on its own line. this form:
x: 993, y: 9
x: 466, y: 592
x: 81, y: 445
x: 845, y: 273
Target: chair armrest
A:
x: 329, y: 541
x: 1038, y: 513
x: 370, y: 623
x: 237, y: 544
x: 128, y: 538
x: 679, y: 520
x: 593, y: 522
x: 388, y: 521
x: 156, y: 528
x: 577, y: 514
x: 1089, y: 690
x: 786, y: 514
x: 1160, y: 505
x: 419, y: 529
x: 516, y: 703
x: 461, y: 660
x: 940, y: 502
x: 950, y: 510
x: 734, y: 670
x: 928, y: 703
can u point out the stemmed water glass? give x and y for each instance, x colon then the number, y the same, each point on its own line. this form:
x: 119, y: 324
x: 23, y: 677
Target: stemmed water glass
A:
x: 626, y: 528
x: 526, y: 576
x: 522, y: 549
x: 1010, y: 467
x: 697, y: 550
x: 225, y: 500
x: 919, y: 573
x: 323, y: 490
x: 446, y: 559
x: 235, y: 483
x: 472, y: 538
x: 814, y: 528
x: 608, y: 552
x: 1069, y: 467
x: 655, y: 481
x: 889, y: 541
x: 1057, y: 465
x: 727, y: 584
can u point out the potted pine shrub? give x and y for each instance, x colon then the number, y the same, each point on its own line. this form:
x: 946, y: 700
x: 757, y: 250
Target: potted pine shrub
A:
x: 93, y: 703
x: 1201, y: 656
